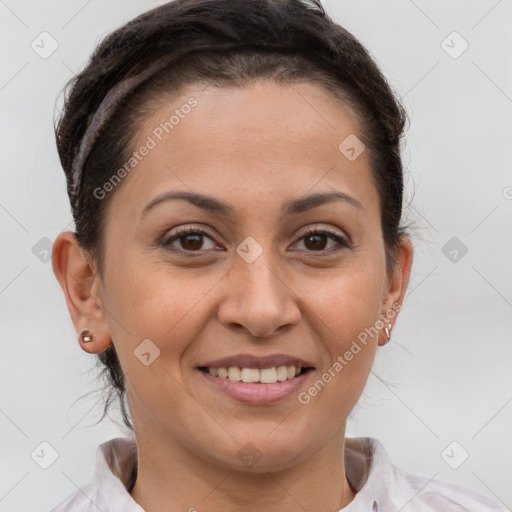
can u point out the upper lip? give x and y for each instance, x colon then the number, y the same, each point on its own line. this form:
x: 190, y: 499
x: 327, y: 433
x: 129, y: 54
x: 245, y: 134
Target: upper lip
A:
x: 251, y: 361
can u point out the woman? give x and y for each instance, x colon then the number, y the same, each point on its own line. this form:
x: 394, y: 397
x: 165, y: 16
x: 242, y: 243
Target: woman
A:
x: 234, y: 173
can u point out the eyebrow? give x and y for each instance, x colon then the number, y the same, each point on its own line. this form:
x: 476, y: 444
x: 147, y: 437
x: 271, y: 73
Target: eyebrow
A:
x: 212, y: 205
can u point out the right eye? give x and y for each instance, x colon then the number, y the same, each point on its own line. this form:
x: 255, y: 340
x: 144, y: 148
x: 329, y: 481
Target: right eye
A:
x: 189, y: 238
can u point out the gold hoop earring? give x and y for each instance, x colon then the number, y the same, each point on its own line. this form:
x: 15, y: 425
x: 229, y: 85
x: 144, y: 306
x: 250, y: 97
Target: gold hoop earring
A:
x: 86, y: 336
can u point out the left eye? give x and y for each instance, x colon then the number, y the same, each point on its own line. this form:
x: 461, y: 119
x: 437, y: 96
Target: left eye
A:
x: 315, y: 238
x: 192, y: 240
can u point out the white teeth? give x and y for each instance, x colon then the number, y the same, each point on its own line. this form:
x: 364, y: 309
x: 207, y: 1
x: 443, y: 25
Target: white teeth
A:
x: 282, y: 373
x: 265, y: 375
x: 268, y: 376
x: 250, y: 375
x: 234, y: 373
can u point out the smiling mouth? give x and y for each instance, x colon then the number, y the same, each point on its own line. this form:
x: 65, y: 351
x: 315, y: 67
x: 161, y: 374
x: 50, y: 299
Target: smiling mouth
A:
x: 257, y: 375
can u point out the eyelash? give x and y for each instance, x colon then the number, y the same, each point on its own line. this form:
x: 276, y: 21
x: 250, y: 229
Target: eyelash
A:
x: 188, y: 230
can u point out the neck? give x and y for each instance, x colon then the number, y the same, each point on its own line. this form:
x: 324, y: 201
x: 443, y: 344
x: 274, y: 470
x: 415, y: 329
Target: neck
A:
x: 173, y: 478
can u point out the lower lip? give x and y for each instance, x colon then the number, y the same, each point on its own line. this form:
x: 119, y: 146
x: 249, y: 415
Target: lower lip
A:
x: 255, y: 393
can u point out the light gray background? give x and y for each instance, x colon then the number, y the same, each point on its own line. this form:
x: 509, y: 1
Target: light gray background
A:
x: 447, y: 374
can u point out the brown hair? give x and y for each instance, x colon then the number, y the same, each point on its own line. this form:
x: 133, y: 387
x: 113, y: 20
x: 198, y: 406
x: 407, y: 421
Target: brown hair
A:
x: 221, y: 43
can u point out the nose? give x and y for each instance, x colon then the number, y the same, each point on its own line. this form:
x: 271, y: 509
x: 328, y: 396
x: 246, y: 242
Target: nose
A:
x: 258, y: 298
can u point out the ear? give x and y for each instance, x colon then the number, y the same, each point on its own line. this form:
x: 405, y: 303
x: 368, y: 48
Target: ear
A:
x: 397, y: 286
x: 82, y: 288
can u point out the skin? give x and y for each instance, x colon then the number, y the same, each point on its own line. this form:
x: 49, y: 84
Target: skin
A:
x: 254, y: 148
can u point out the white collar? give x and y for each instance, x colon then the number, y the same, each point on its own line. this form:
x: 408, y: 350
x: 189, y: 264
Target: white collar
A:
x: 380, y: 486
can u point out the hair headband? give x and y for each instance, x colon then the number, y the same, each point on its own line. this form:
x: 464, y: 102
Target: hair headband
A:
x: 103, y: 114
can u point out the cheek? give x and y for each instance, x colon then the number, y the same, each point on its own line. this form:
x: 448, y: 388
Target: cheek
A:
x: 153, y: 303
x: 149, y: 301
x: 343, y: 313
x: 348, y: 302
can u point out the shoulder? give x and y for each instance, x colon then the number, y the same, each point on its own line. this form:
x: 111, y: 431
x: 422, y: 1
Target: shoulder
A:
x: 77, y: 502
x: 111, y: 477
x: 434, y: 494
x: 384, y: 487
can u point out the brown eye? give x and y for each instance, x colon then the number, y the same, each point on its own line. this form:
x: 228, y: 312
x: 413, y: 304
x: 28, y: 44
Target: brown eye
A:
x: 316, y: 240
x: 189, y: 239
x: 191, y: 242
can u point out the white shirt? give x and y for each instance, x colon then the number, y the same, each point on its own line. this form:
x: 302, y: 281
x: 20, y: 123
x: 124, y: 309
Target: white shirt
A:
x: 380, y: 486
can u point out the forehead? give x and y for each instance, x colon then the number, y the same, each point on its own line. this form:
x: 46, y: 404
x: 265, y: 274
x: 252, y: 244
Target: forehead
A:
x: 267, y: 140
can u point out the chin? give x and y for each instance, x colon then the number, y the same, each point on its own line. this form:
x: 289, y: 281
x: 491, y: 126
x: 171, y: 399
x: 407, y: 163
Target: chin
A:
x: 260, y: 454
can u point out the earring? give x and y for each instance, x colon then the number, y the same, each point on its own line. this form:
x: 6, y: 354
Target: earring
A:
x: 86, y: 336
x: 387, y: 330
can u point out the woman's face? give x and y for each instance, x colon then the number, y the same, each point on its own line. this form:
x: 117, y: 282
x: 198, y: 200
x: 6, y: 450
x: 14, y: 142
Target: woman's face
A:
x: 249, y: 280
